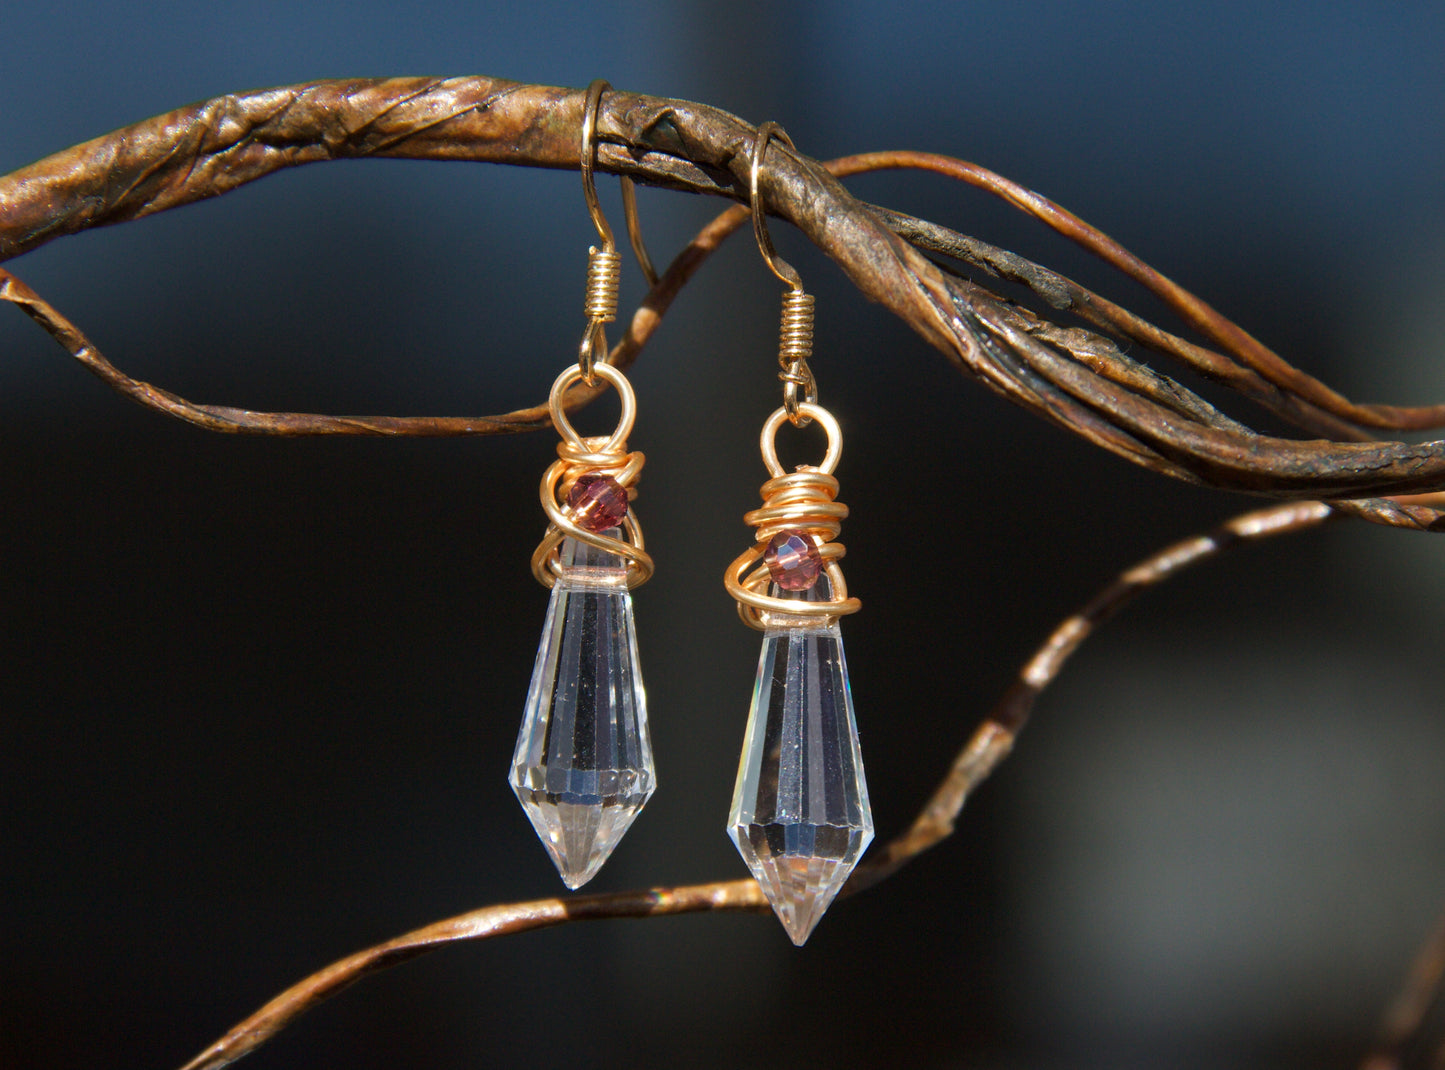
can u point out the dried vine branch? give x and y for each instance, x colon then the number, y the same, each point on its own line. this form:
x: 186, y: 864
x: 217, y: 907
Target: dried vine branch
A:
x: 1073, y: 377
x: 989, y: 745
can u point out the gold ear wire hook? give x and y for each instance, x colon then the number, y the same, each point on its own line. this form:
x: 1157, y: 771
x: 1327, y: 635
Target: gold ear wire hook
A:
x: 629, y: 188
x: 780, y: 267
x: 589, y: 157
x: 795, y: 340
x: 604, y: 266
x: 634, y: 230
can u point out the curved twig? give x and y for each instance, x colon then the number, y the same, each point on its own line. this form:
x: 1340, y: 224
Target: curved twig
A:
x: 990, y: 743
x: 213, y: 147
x: 502, y: 920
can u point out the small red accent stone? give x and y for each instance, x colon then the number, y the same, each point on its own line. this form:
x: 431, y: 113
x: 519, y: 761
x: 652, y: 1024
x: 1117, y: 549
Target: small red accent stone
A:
x: 793, y: 561
x: 597, y: 502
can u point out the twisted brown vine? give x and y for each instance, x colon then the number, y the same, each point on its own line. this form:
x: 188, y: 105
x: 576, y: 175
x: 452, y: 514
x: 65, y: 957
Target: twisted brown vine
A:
x: 1073, y: 377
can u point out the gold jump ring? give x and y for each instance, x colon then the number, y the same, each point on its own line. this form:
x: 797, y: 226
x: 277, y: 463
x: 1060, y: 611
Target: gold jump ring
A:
x: 770, y: 433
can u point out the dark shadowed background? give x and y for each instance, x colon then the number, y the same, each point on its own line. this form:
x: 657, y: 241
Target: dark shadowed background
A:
x: 259, y: 697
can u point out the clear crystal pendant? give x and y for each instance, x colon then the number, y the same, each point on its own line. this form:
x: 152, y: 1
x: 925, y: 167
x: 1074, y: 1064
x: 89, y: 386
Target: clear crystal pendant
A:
x: 583, y: 764
x: 583, y: 768
x: 800, y: 815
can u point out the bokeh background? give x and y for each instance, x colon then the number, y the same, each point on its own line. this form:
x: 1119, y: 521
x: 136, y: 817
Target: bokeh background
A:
x: 259, y: 696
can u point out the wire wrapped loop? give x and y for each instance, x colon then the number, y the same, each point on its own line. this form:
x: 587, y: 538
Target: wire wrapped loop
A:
x: 768, y: 440
x: 577, y: 456
x: 803, y: 502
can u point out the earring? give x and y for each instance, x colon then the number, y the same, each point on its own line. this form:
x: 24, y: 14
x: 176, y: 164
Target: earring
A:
x: 583, y: 764
x: 800, y: 814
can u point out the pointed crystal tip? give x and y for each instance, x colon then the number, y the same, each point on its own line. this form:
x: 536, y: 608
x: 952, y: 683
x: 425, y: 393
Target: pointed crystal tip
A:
x: 580, y: 831
x: 800, y: 868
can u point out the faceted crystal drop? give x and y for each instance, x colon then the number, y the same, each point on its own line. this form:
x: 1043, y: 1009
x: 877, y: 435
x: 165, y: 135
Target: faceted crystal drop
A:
x: 583, y: 764
x: 800, y: 815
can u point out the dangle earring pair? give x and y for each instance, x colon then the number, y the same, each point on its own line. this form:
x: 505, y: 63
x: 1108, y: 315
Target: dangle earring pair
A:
x: 583, y: 765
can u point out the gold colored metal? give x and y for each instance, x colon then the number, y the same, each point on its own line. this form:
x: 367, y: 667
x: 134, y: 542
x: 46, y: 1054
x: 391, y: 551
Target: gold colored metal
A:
x: 768, y: 440
x: 578, y: 456
x: 629, y: 188
x: 634, y: 230
x: 604, y: 275
x: 799, y: 389
x: 802, y: 501
x: 795, y: 346
x: 604, y: 266
x: 780, y: 267
x: 601, y: 454
x: 615, y: 442
x: 604, y: 272
x: 589, y: 158
x: 795, y: 341
x: 795, y: 337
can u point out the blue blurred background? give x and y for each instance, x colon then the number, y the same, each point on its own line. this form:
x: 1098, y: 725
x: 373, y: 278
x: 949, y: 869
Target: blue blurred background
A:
x: 259, y: 696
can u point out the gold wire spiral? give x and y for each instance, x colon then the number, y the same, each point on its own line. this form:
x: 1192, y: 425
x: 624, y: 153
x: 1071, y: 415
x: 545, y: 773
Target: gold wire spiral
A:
x: 604, y: 275
x: 577, y: 457
x: 802, y: 501
x: 795, y: 346
x: 795, y: 339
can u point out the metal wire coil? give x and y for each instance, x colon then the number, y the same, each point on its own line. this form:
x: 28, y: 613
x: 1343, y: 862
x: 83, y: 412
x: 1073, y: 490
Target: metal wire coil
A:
x: 795, y: 339
x: 577, y: 456
x: 604, y: 274
x: 802, y: 501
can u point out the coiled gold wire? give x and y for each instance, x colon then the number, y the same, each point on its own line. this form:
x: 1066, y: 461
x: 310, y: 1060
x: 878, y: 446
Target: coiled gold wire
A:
x: 795, y: 346
x: 801, y: 501
x: 604, y: 276
x: 578, y: 456
x: 604, y: 273
x: 795, y: 338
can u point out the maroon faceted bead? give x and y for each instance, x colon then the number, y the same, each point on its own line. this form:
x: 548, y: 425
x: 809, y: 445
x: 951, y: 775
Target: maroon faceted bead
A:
x: 597, y: 502
x: 793, y: 561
